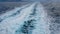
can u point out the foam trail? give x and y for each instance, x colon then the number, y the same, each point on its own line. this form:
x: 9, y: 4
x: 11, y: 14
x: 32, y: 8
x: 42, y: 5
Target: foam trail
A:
x: 41, y: 21
x: 12, y: 24
x: 15, y: 12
